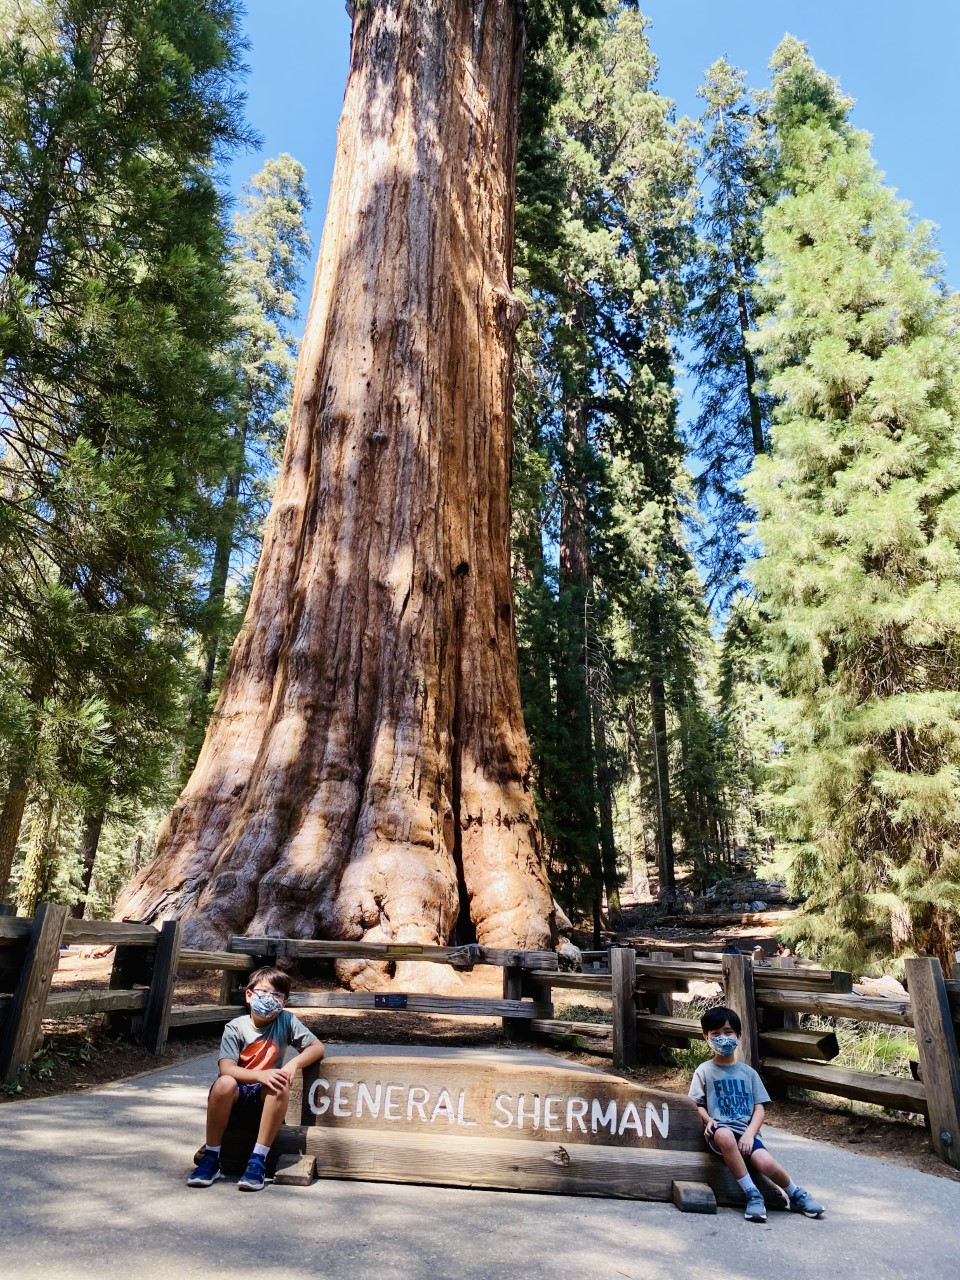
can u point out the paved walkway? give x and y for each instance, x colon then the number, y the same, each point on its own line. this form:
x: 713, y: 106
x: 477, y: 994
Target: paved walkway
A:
x: 93, y: 1186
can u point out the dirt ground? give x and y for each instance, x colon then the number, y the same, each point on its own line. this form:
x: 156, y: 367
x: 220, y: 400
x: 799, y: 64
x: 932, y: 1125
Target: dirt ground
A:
x: 79, y: 1053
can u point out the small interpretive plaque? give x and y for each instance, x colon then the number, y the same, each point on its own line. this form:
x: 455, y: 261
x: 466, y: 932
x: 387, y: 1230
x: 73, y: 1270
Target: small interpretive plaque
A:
x: 389, y: 1001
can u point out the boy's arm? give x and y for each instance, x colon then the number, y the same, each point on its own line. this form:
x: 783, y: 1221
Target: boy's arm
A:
x: 698, y: 1094
x: 242, y: 1075
x: 709, y: 1124
x: 753, y: 1128
x: 312, y: 1053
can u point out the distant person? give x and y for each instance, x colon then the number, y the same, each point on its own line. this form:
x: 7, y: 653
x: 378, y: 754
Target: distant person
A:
x: 730, y: 1097
x: 253, y: 1074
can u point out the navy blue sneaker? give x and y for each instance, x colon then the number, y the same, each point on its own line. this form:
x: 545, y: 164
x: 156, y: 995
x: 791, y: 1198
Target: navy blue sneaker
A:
x: 207, y: 1171
x: 254, y: 1176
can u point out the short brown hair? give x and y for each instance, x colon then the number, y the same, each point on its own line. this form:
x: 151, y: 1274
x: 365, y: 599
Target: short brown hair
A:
x: 277, y: 979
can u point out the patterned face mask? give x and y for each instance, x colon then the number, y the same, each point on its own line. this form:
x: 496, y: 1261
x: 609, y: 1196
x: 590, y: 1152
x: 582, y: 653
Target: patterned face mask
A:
x: 265, y: 1005
x: 723, y: 1045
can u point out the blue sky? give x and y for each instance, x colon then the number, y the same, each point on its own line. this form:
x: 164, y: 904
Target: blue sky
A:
x: 898, y: 61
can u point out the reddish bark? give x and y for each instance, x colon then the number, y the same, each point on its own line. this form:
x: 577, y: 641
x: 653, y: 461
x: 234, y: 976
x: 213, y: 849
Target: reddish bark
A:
x: 368, y: 748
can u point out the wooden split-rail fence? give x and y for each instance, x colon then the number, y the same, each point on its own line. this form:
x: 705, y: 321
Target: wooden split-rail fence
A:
x: 768, y: 998
x: 139, y: 999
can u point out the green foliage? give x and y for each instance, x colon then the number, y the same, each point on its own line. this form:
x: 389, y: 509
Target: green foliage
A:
x: 610, y: 613
x: 858, y: 509
x: 564, y: 19
x: 733, y: 411
x: 113, y: 308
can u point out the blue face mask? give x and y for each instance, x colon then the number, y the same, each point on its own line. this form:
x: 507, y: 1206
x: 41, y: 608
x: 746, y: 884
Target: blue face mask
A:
x: 723, y: 1045
x: 265, y: 1005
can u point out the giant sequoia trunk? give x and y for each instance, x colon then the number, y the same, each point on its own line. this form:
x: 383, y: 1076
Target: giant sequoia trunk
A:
x: 367, y: 757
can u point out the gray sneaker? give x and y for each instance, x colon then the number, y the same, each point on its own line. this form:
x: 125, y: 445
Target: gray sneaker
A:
x: 803, y: 1202
x: 756, y: 1210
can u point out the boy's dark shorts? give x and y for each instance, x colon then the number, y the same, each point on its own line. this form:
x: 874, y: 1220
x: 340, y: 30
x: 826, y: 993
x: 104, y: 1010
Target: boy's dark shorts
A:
x: 248, y: 1095
x: 757, y: 1144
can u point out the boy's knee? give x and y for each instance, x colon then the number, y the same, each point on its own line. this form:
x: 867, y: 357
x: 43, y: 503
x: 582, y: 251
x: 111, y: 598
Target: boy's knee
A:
x: 725, y: 1139
x: 224, y: 1087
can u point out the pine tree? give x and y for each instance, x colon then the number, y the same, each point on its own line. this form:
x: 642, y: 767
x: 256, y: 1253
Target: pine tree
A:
x: 731, y: 424
x: 859, y: 519
x: 618, y: 616
x: 112, y: 310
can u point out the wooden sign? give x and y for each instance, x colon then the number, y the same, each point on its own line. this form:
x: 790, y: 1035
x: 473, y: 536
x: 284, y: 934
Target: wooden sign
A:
x: 486, y: 1118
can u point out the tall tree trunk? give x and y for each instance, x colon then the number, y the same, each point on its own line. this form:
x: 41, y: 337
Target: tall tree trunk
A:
x: 369, y: 741
x: 580, y: 836
x: 11, y: 818
x: 661, y: 760
x: 89, y: 844
x: 38, y: 865
x: 19, y: 780
x: 608, y: 844
x: 750, y: 376
x: 743, y: 320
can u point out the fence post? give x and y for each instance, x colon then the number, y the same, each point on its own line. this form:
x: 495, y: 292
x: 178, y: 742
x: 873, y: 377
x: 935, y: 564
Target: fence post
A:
x: 739, y: 995
x: 131, y: 966
x: 228, y: 980
x: 22, y: 1028
x: 623, y: 982
x: 156, y: 1020
x: 513, y: 1028
x: 939, y: 1060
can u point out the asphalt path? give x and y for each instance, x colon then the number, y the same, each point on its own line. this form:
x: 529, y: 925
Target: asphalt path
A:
x: 93, y: 1185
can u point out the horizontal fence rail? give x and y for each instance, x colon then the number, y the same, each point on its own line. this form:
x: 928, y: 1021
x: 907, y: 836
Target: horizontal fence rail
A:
x: 391, y: 952
x: 139, y: 1000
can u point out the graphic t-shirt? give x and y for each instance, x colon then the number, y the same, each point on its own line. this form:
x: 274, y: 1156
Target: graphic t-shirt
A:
x: 261, y: 1048
x: 729, y: 1094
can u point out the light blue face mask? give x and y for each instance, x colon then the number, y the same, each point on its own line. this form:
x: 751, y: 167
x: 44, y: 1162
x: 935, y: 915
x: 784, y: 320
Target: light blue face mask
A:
x: 265, y: 1005
x: 724, y: 1045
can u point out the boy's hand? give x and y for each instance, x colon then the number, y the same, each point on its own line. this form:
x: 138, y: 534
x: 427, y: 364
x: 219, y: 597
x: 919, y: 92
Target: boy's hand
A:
x: 710, y: 1128
x: 275, y: 1081
x: 745, y: 1143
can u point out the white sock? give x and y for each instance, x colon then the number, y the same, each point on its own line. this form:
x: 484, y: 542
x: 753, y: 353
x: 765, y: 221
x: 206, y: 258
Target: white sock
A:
x: 261, y: 1149
x: 791, y: 1188
x: 747, y: 1184
x: 211, y: 1150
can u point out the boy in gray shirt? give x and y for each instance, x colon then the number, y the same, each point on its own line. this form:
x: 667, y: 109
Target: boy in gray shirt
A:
x: 730, y: 1097
x: 253, y: 1073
